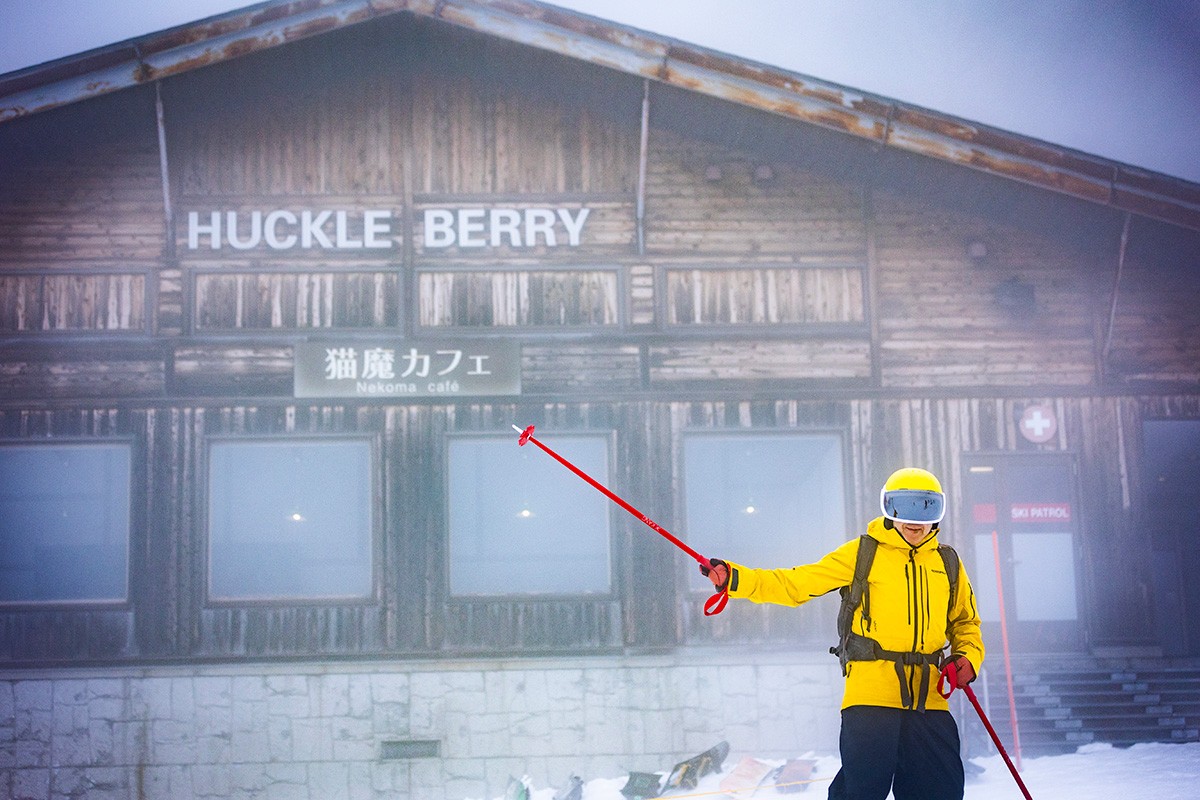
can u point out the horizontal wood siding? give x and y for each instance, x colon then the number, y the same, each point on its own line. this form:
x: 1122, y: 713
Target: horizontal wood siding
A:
x: 233, y: 370
x: 763, y: 296
x: 821, y: 359
x: 940, y: 321
x: 792, y: 214
x: 226, y: 301
x: 82, y: 372
x: 73, y: 302
x: 579, y: 369
x: 94, y: 203
x: 518, y: 297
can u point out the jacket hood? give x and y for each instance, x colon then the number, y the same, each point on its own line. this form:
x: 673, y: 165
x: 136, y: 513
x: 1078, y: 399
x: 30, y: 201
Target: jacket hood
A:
x: 890, y: 537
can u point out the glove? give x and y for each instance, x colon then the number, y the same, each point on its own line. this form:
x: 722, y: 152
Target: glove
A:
x: 958, y: 672
x: 716, y: 571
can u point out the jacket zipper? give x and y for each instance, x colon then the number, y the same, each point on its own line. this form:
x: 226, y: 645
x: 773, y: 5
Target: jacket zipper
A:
x: 914, y: 615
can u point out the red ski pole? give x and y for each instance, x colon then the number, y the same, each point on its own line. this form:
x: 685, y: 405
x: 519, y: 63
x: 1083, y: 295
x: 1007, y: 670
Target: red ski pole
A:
x: 716, y: 603
x: 950, y: 677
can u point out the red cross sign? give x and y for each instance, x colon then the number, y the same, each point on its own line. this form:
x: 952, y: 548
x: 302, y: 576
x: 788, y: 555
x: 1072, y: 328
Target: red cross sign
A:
x: 1038, y: 423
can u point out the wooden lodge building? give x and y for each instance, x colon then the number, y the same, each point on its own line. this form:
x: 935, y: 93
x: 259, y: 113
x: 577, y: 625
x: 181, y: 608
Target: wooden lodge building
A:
x: 276, y: 286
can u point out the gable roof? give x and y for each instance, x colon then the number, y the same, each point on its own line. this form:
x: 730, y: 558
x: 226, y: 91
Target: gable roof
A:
x: 885, y: 122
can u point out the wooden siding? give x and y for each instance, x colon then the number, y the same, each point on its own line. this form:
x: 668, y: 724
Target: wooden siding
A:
x: 824, y: 359
x: 795, y: 213
x: 232, y: 370
x: 763, y: 296
x: 72, y: 302
x: 484, y: 137
x: 939, y: 318
x: 1155, y: 336
x: 565, y: 369
x: 412, y: 613
x: 512, y: 297
x: 34, y: 374
x: 228, y: 301
x: 90, y: 204
x: 243, y: 129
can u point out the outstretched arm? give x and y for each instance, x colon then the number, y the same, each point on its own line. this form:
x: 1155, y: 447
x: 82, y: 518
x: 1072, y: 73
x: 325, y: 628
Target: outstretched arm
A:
x: 789, y: 587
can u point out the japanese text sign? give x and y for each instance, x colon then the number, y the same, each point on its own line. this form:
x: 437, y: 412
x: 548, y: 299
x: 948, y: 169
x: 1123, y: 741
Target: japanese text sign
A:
x: 407, y: 369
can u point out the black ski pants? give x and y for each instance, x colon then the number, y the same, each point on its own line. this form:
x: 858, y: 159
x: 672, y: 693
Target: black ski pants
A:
x: 914, y: 754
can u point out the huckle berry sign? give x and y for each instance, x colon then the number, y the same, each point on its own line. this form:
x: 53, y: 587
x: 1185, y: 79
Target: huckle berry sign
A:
x: 380, y: 229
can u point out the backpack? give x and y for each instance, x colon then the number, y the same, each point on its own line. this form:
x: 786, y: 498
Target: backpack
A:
x: 856, y: 592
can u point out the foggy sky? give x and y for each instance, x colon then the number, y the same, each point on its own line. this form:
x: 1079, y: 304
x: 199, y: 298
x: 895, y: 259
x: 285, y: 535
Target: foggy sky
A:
x: 1114, y: 78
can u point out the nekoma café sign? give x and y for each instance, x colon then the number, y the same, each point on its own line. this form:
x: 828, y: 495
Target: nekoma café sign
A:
x: 407, y: 368
x: 376, y: 228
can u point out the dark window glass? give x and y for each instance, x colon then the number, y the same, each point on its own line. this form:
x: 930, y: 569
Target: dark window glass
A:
x: 521, y: 523
x: 290, y: 520
x: 764, y: 500
x: 64, y: 522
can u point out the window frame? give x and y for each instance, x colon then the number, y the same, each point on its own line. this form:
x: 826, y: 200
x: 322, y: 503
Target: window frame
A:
x: 376, y: 510
x: 614, y: 587
x: 134, y: 523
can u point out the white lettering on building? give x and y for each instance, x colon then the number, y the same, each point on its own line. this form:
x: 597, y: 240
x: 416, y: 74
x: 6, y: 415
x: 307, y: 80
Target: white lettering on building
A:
x: 493, y: 227
x: 372, y: 229
x: 281, y: 229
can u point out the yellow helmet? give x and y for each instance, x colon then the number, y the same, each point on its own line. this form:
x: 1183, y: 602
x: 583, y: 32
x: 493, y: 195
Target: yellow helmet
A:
x: 913, y: 495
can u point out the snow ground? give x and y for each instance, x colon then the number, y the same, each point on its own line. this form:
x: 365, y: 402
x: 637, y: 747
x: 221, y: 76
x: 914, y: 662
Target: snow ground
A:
x: 1161, y: 771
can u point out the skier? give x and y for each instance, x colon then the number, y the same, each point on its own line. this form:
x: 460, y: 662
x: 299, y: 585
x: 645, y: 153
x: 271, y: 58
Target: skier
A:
x: 896, y: 733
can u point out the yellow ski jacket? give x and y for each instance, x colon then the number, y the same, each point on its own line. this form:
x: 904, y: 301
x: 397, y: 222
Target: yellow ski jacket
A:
x: 909, y: 610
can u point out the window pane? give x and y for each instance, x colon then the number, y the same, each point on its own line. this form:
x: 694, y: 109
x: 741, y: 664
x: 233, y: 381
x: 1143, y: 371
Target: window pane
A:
x: 290, y: 519
x: 64, y: 522
x: 764, y: 500
x: 521, y: 523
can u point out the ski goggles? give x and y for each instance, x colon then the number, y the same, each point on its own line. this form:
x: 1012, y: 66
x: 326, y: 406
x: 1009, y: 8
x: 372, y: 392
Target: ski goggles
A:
x: 913, y: 505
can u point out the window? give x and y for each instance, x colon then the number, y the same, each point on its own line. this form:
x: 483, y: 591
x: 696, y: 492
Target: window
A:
x: 764, y: 500
x: 521, y: 523
x: 290, y: 520
x: 64, y: 522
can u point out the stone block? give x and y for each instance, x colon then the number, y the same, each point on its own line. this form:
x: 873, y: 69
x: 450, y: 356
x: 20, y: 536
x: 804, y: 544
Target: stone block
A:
x: 353, y: 739
x: 334, y: 695
x: 172, y: 742
x: 211, y: 781
x: 389, y: 688
x: 390, y: 719
x: 213, y: 692
x: 329, y: 780
x: 287, y: 782
x: 311, y: 740
x: 30, y: 784
x: 32, y: 696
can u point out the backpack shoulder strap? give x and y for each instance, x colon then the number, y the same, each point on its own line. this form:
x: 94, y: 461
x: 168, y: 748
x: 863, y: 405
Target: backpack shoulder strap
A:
x: 951, y: 560
x: 856, y: 593
x: 853, y: 594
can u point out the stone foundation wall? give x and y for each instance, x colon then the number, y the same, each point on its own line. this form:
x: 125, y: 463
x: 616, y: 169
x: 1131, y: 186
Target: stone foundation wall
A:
x: 428, y: 730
